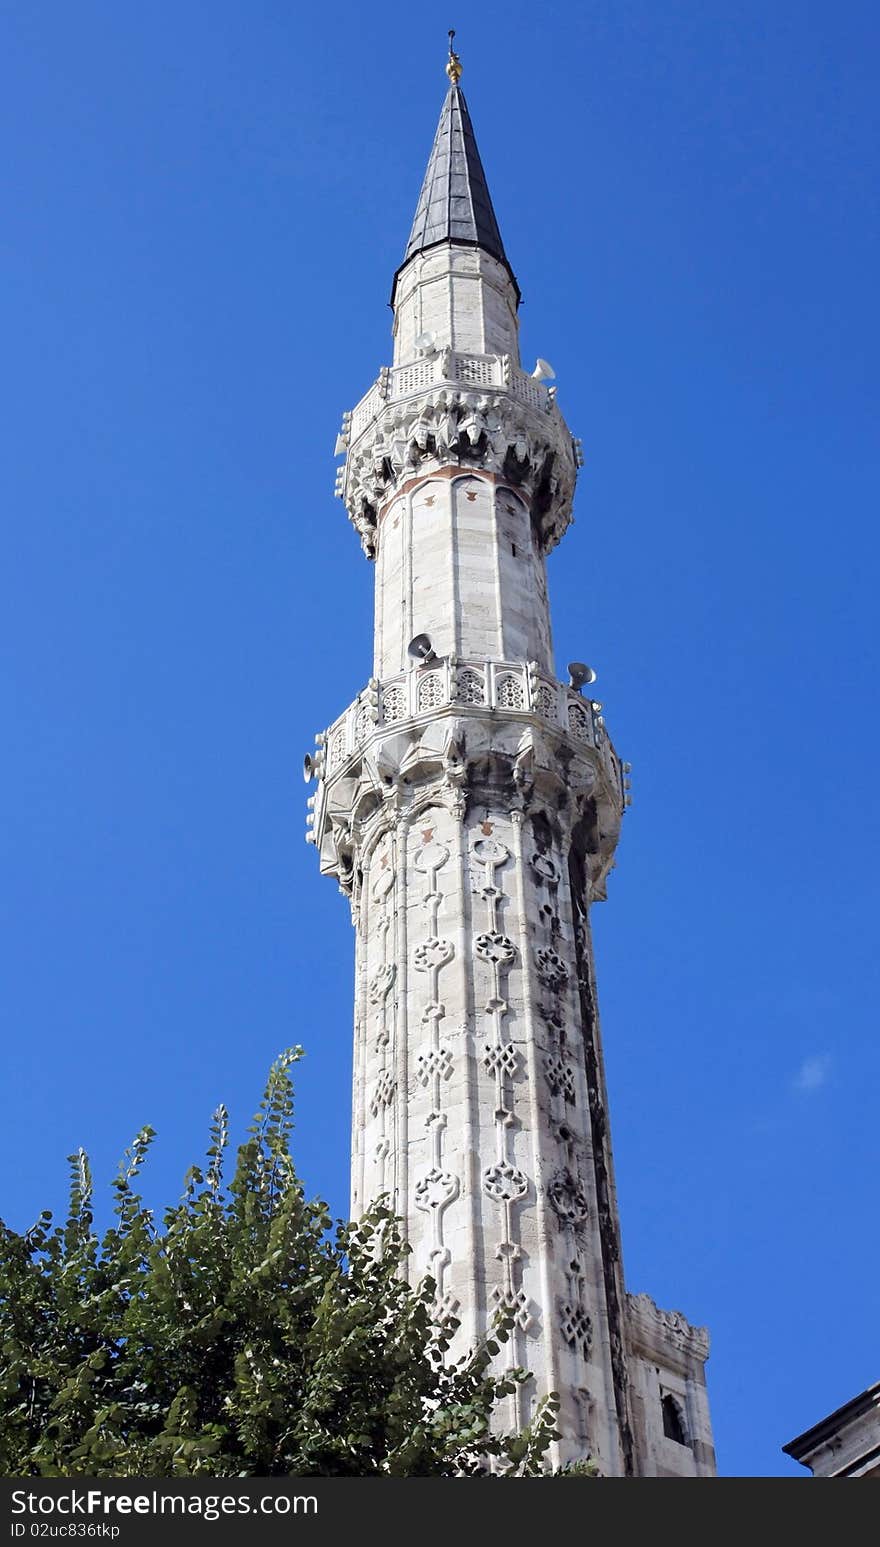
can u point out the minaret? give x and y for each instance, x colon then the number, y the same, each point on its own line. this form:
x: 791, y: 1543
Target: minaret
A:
x: 469, y: 803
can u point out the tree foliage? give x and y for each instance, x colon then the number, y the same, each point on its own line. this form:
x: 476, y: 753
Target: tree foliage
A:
x: 243, y: 1335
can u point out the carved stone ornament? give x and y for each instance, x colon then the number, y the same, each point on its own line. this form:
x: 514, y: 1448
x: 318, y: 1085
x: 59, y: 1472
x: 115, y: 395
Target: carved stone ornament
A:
x: 517, y: 1302
x: 470, y: 687
x: 495, y: 948
x: 568, y: 1198
x: 505, y: 1183
x: 431, y: 953
x: 504, y: 1058
x: 546, y: 868
x: 577, y: 1328
x: 380, y: 983
x: 435, y: 1190
x: 551, y: 968
x: 547, y: 702
x: 560, y: 1077
x: 431, y: 857
x: 381, y: 872
x: 383, y: 1093
x: 435, y: 1061
x: 493, y: 430
x: 393, y: 705
x: 446, y: 1306
x: 490, y: 852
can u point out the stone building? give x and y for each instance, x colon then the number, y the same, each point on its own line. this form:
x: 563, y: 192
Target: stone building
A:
x: 846, y: 1443
x: 469, y: 803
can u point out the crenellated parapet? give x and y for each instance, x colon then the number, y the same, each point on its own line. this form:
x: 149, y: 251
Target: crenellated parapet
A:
x: 458, y: 410
x: 664, y: 1335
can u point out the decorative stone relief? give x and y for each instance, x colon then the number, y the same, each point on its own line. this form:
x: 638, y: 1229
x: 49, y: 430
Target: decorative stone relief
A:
x: 509, y: 693
x: 382, y: 869
x: 437, y: 1061
x: 430, y: 857
x: 551, y: 968
x: 432, y: 954
x: 336, y: 750
x: 547, y: 702
x: 446, y: 1307
x: 579, y: 723
x: 495, y: 948
x: 437, y: 1189
x: 469, y: 688
x: 499, y: 1060
x: 431, y: 691
x: 383, y: 1093
x: 445, y: 424
x: 393, y: 705
x: 560, y: 1077
x: 546, y: 868
x: 574, y: 1320
x: 505, y: 1183
x: 568, y: 1198
x: 577, y: 1328
x: 363, y: 722
x: 380, y: 883
x: 381, y: 983
x: 517, y: 1302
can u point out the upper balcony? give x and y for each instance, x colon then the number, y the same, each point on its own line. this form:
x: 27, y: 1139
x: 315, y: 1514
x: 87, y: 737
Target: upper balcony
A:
x: 450, y: 369
x: 449, y: 407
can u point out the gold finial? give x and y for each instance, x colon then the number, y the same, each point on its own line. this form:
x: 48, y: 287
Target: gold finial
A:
x: 453, y: 63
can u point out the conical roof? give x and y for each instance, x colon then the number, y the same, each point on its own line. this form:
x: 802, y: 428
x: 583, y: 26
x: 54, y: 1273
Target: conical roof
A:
x: 454, y: 204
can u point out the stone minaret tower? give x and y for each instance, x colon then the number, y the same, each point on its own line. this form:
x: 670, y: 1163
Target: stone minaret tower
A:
x: 469, y: 804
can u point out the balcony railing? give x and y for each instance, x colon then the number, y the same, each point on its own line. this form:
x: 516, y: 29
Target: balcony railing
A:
x: 514, y: 687
x: 448, y: 368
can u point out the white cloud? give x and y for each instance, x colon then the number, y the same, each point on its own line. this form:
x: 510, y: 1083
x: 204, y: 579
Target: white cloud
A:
x: 812, y: 1074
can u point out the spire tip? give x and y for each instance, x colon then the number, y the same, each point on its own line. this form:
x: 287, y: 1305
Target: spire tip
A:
x: 453, y: 63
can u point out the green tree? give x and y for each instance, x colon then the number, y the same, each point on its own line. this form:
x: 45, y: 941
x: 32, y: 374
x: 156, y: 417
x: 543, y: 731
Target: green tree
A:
x: 242, y: 1336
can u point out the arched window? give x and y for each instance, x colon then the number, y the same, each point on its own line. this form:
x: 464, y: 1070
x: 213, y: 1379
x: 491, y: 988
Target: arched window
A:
x: 673, y: 1420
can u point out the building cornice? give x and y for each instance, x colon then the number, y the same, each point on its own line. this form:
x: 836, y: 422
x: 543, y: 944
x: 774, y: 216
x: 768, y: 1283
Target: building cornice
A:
x: 828, y: 1429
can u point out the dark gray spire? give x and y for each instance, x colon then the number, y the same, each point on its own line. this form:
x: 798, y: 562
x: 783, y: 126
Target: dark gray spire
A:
x: 454, y: 204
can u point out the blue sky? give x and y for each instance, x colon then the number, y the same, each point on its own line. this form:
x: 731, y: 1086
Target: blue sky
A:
x: 203, y: 206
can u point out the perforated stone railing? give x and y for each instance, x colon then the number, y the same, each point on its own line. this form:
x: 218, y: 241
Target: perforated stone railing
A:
x: 515, y: 687
x: 455, y: 370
